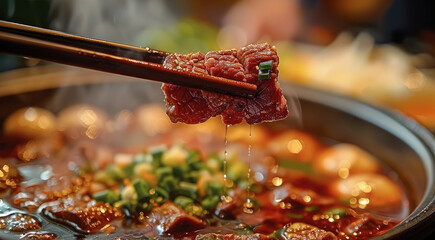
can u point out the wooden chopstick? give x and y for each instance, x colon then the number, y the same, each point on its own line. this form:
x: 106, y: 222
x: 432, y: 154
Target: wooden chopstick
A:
x: 109, y: 57
x: 117, y: 49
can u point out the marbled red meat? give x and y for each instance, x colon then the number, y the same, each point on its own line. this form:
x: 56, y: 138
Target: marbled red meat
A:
x: 85, y: 216
x: 186, y: 104
x: 195, y: 106
x: 19, y: 222
x: 302, y: 231
x: 224, y: 64
x: 168, y: 218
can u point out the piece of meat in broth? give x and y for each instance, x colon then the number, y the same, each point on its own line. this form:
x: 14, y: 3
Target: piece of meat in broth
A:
x: 89, y: 217
x: 168, y: 218
x: 302, y: 231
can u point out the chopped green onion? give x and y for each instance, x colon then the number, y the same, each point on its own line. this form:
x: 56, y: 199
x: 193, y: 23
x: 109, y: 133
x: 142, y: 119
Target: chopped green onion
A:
x: 237, y: 171
x: 157, y: 154
x: 188, y: 189
x: 144, y: 207
x: 183, y: 201
x: 278, y: 234
x: 115, y: 172
x: 107, y: 196
x: 141, y: 187
x: 180, y: 171
x: 336, y: 211
x: 160, y: 195
x: 129, y: 169
x: 215, y: 164
x: 245, y: 231
x: 176, y: 156
x: 263, y: 75
x: 311, y: 208
x: 210, y: 202
x: 195, y: 210
x: 163, y: 172
x: 123, y: 204
x: 193, y: 156
x: 192, y: 176
x: 266, y: 65
x: 196, y: 166
x: 214, y: 188
x: 169, y: 183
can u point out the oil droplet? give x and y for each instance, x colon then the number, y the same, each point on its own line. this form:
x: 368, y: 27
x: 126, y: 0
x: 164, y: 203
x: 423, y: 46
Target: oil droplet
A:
x: 277, y: 181
x: 306, y: 198
x: 294, y: 146
x: 248, y: 206
x: 224, y: 196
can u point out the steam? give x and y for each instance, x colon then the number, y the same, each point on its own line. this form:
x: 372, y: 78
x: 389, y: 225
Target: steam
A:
x: 114, y: 20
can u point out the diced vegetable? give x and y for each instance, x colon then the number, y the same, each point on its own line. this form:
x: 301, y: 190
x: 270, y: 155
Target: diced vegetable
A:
x: 115, y: 172
x: 204, y: 178
x: 263, y: 75
x: 180, y: 171
x: 175, y: 174
x: 169, y: 183
x: 188, y: 189
x: 266, y: 65
x: 215, y: 164
x: 129, y: 194
x: 107, y: 196
x: 193, y: 156
x: 214, y: 188
x: 183, y: 201
x: 157, y: 154
x: 210, y: 202
x: 175, y: 156
x: 237, y: 171
x: 104, y: 177
x: 336, y: 211
x: 245, y: 231
x: 142, y: 168
x: 163, y: 172
x: 264, y: 70
x: 124, y: 204
x: 144, y: 207
x: 195, y: 210
x: 191, y: 176
x: 141, y: 187
x: 159, y: 194
x: 278, y: 234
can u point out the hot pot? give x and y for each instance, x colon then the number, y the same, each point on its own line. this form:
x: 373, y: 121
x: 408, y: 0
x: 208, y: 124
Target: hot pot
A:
x: 403, y: 144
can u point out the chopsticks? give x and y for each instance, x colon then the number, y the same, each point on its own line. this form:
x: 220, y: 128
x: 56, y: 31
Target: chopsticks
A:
x: 110, y: 57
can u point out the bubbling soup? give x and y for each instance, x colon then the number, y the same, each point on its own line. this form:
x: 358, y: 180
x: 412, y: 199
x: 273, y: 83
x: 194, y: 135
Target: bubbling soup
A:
x: 85, y: 174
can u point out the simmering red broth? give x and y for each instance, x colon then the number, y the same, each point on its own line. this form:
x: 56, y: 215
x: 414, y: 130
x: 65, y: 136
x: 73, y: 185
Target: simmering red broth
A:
x: 136, y: 174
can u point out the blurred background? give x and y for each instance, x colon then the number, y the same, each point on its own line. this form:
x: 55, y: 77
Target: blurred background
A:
x: 379, y: 51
